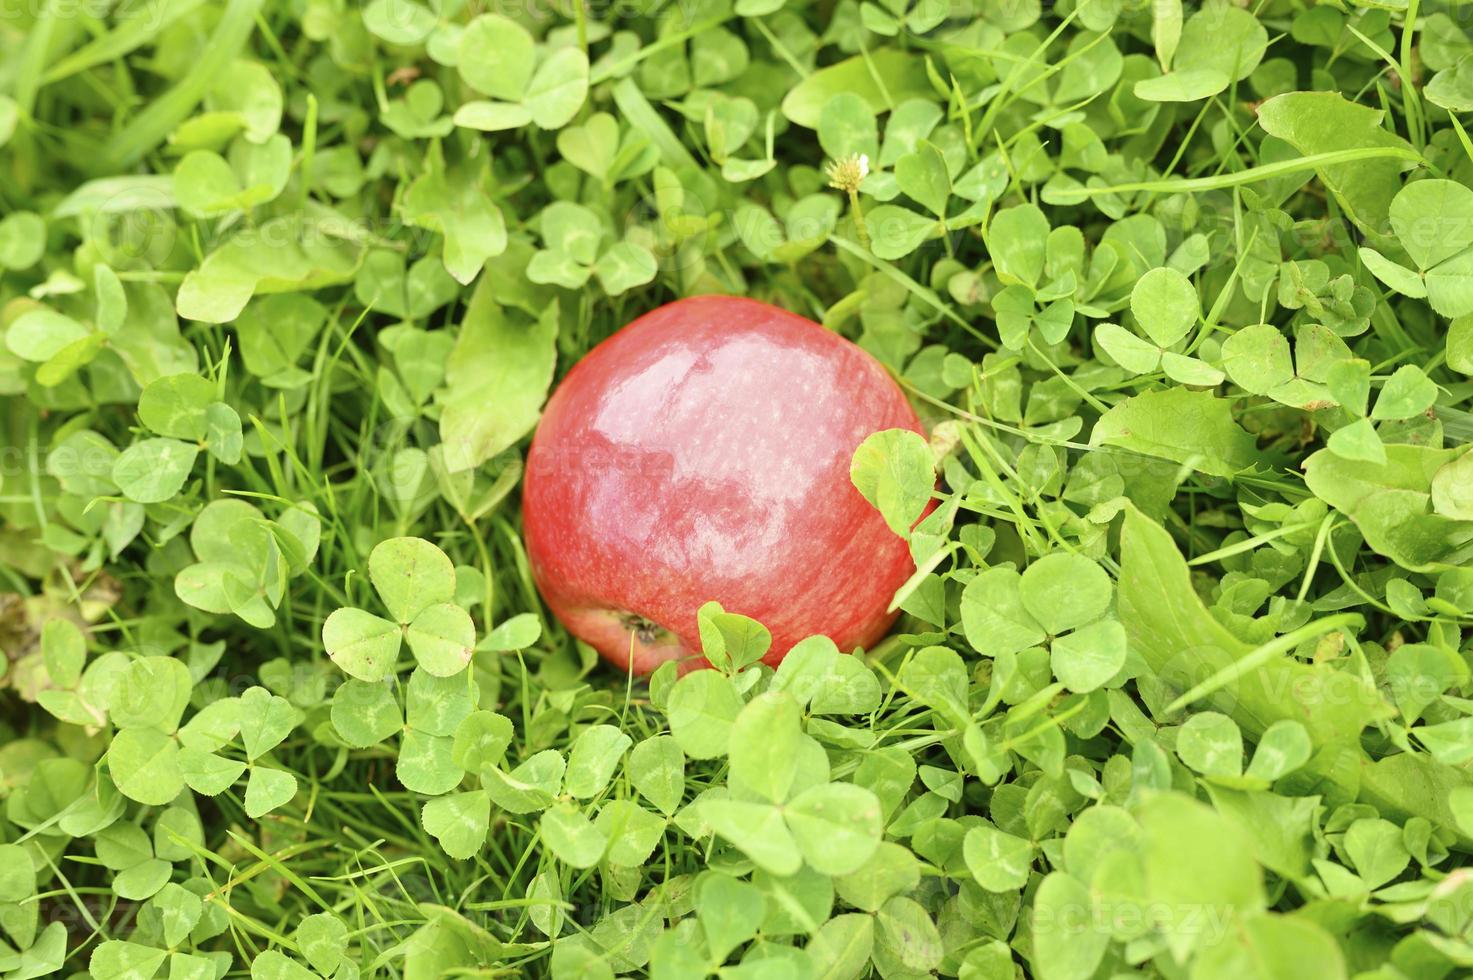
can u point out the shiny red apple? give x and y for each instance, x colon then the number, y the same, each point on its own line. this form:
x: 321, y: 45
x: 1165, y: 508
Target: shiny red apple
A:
x: 702, y: 452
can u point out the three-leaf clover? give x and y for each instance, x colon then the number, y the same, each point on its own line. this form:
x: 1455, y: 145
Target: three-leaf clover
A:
x: 244, y: 561
x: 572, y: 237
x: 416, y: 583
x: 1061, y: 599
x: 498, y: 57
x: 1433, y: 221
x: 1165, y: 306
x: 1038, y: 290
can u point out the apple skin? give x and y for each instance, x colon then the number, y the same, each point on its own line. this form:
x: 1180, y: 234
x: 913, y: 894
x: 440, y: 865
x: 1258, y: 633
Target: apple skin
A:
x: 702, y: 452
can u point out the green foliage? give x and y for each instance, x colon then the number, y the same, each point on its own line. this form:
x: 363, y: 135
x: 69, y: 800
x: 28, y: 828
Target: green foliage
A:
x: 1181, y: 684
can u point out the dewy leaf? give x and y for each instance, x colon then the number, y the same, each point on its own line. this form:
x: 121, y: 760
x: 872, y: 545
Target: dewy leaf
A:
x: 496, y: 379
x: 894, y: 471
x: 1195, y: 428
x: 410, y: 574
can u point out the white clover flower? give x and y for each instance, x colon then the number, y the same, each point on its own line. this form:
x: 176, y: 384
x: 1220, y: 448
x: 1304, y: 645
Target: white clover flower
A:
x: 847, y: 173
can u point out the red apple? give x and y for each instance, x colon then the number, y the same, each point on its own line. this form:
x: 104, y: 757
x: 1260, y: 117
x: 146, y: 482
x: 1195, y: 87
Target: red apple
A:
x: 702, y: 453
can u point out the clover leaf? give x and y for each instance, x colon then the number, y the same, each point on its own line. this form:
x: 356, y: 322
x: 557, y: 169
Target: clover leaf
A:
x: 572, y: 236
x: 1433, y: 222
x: 1062, y: 599
x: 241, y: 567
x: 416, y: 583
x: 498, y: 57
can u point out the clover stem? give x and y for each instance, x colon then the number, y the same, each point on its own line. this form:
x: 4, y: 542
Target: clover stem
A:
x: 858, y: 212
